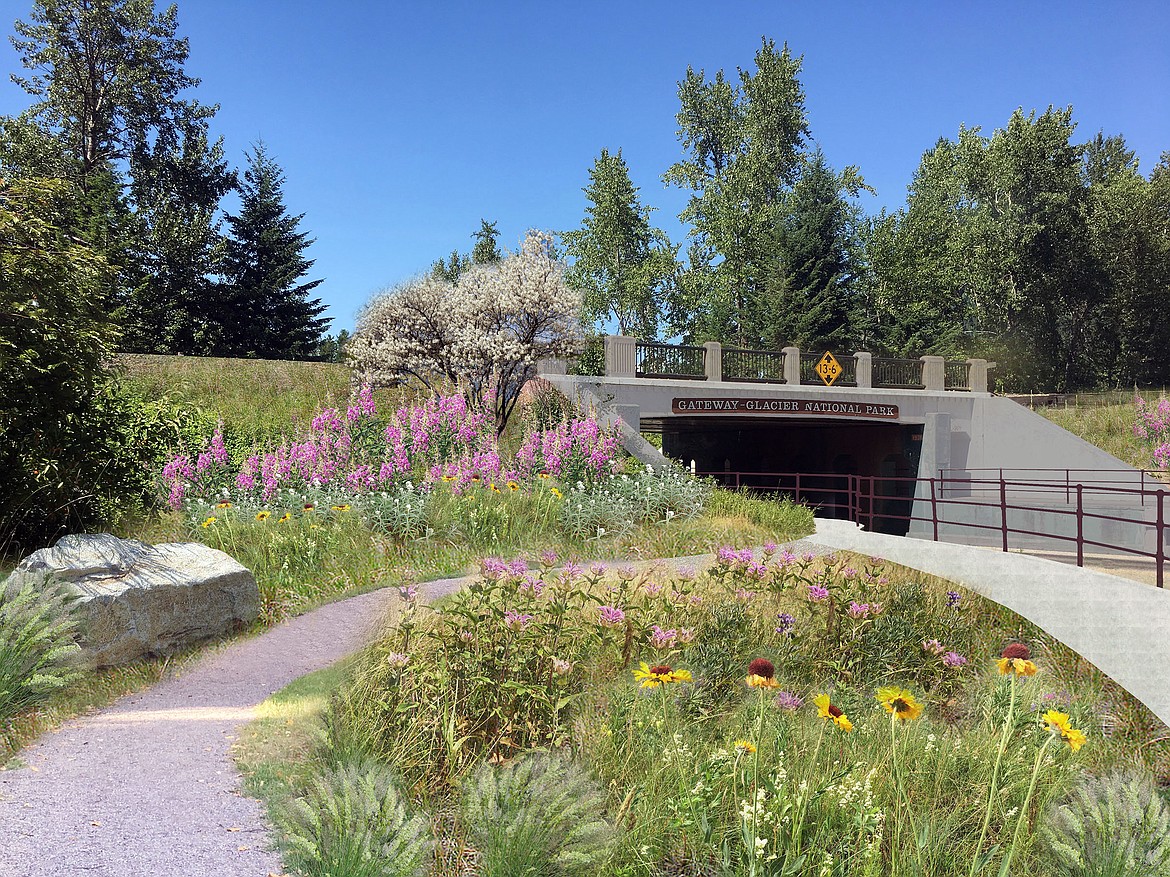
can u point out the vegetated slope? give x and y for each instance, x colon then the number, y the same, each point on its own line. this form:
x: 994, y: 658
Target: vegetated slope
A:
x: 253, y: 396
x: 1109, y: 427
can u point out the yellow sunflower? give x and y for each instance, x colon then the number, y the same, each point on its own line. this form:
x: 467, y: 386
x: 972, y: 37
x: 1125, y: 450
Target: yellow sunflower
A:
x: 555, y: 492
x: 744, y: 747
x: 264, y: 515
x: 661, y: 674
x: 513, y: 486
x: 341, y: 508
x: 899, y: 702
x: 826, y: 710
x: 223, y: 505
x: 211, y: 519
x: 287, y: 516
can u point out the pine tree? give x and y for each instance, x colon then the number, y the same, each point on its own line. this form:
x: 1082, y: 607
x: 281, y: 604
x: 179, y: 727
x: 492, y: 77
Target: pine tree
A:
x: 272, y: 315
x: 620, y: 263
x: 485, y: 251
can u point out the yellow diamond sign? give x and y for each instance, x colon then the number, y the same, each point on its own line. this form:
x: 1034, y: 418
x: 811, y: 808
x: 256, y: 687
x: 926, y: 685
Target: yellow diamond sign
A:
x: 829, y: 369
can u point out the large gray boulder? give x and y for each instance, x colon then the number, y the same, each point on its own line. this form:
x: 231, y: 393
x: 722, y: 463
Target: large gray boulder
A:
x: 138, y: 600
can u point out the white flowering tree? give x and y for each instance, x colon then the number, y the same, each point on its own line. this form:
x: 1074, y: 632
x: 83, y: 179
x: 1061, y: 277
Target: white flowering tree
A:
x: 483, y: 334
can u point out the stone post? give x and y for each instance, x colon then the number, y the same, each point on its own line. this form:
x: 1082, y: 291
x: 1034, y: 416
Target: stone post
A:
x: 977, y: 370
x: 864, y: 370
x: 934, y: 372
x: 552, y: 367
x: 713, y: 359
x: 621, y: 356
x: 791, y: 365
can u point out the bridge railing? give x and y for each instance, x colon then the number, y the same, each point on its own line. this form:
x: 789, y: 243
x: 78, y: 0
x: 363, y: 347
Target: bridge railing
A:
x: 996, y: 511
x: 673, y: 361
x: 627, y: 357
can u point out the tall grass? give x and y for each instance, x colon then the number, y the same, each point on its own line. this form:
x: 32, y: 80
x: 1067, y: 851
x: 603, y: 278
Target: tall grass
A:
x: 1109, y: 427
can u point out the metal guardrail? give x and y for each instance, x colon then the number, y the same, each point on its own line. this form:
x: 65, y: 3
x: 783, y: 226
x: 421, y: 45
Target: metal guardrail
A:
x: 866, y: 499
x: 757, y: 366
x: 957, y: 376
x: 898, y: 374
x: 674, y: 361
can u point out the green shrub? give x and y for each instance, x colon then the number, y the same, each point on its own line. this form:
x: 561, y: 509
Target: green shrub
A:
x: 352, y: 822
x: 1111, y: 826
x: 540, y: 815
x: 37, y: 650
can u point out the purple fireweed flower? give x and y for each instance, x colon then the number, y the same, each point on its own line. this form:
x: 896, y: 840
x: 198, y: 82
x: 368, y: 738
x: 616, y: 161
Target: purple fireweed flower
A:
x: 953, y: 659
x: 397, y: 660
x: 807, y: 557
x: 409, y: 593
x: 516, y: 620
x: 849, y: 572
x: 932, y: 647
x: 518, y: 567
x: 610, y: 616
x: 663, y: 639
x: 597, y: 569
x: 785, y: 558
x: 744, y: 595
x: 570, y: 572
x: 686, y: 636
x: 769, y: 548
x: 858, y: 610
x: 817, y: 594
x: 626, y: 573
x: 786, y: 700
x: 531, y: 585
x: 685, y: 573
x: 652, y: 589
x: 785, y: 624
x: 561, y: 667
x: 954, y: 598
x: 548, y: 557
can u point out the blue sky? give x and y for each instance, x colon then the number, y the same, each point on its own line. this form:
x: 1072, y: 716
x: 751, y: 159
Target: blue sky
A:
x: 400, y: 125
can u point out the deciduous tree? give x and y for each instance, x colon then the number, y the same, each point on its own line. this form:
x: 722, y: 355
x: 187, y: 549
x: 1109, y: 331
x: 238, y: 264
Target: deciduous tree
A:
x: 483, y: 334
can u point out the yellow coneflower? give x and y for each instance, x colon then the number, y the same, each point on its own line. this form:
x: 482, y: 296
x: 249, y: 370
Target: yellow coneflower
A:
x: 513, y: 486
x: 827, y: 710
x: 264, y: 515
x: 900, y: 703
x: 309, y: 506
x: 494, y: 488
x: 341, y: 508
x: 223, y: 505
x: 555, y: 492
x: 287, y: 516
x: 661, y: 674
x: 744, y: 747
x: 210, y: 520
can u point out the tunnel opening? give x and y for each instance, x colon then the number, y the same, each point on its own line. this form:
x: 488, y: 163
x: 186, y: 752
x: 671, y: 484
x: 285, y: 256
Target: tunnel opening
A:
x: 810, y: 460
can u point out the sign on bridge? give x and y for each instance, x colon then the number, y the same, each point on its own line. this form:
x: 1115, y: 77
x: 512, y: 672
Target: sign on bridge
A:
x: 828, y: 368
x: 816, y: 407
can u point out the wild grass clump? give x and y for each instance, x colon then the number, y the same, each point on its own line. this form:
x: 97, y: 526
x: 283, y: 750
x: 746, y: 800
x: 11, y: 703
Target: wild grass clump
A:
x: 38, y: 652
x: 541, y: 814
x: 352, y: 822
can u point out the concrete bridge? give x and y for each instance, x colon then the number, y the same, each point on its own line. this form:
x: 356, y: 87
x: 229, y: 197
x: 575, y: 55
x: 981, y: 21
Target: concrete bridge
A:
x: 907, y: 447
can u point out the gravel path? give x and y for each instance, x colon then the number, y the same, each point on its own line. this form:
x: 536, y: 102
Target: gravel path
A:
x: 147, y: 787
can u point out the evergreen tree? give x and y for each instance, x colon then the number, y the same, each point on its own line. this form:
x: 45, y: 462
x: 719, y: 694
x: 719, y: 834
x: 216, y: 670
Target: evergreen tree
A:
x: 267, y: 312
x: 451, y: 268
x: 621, y: 264
x: 485, y: 251
x: 808, y: 298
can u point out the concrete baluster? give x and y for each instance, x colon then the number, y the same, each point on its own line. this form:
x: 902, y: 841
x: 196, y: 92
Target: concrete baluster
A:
x: 977, y: 370
x: 864, y: 370
x: 621, y: 356
x: 713, y: 360
x: 934, y: 372
x: 791, y: 365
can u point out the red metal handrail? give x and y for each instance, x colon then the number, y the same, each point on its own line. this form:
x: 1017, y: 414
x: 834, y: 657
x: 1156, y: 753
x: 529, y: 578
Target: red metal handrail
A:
x: 860, y: 492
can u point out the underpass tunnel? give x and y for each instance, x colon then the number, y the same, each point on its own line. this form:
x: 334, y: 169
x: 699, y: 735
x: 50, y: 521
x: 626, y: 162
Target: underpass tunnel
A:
x: 767, y: 455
